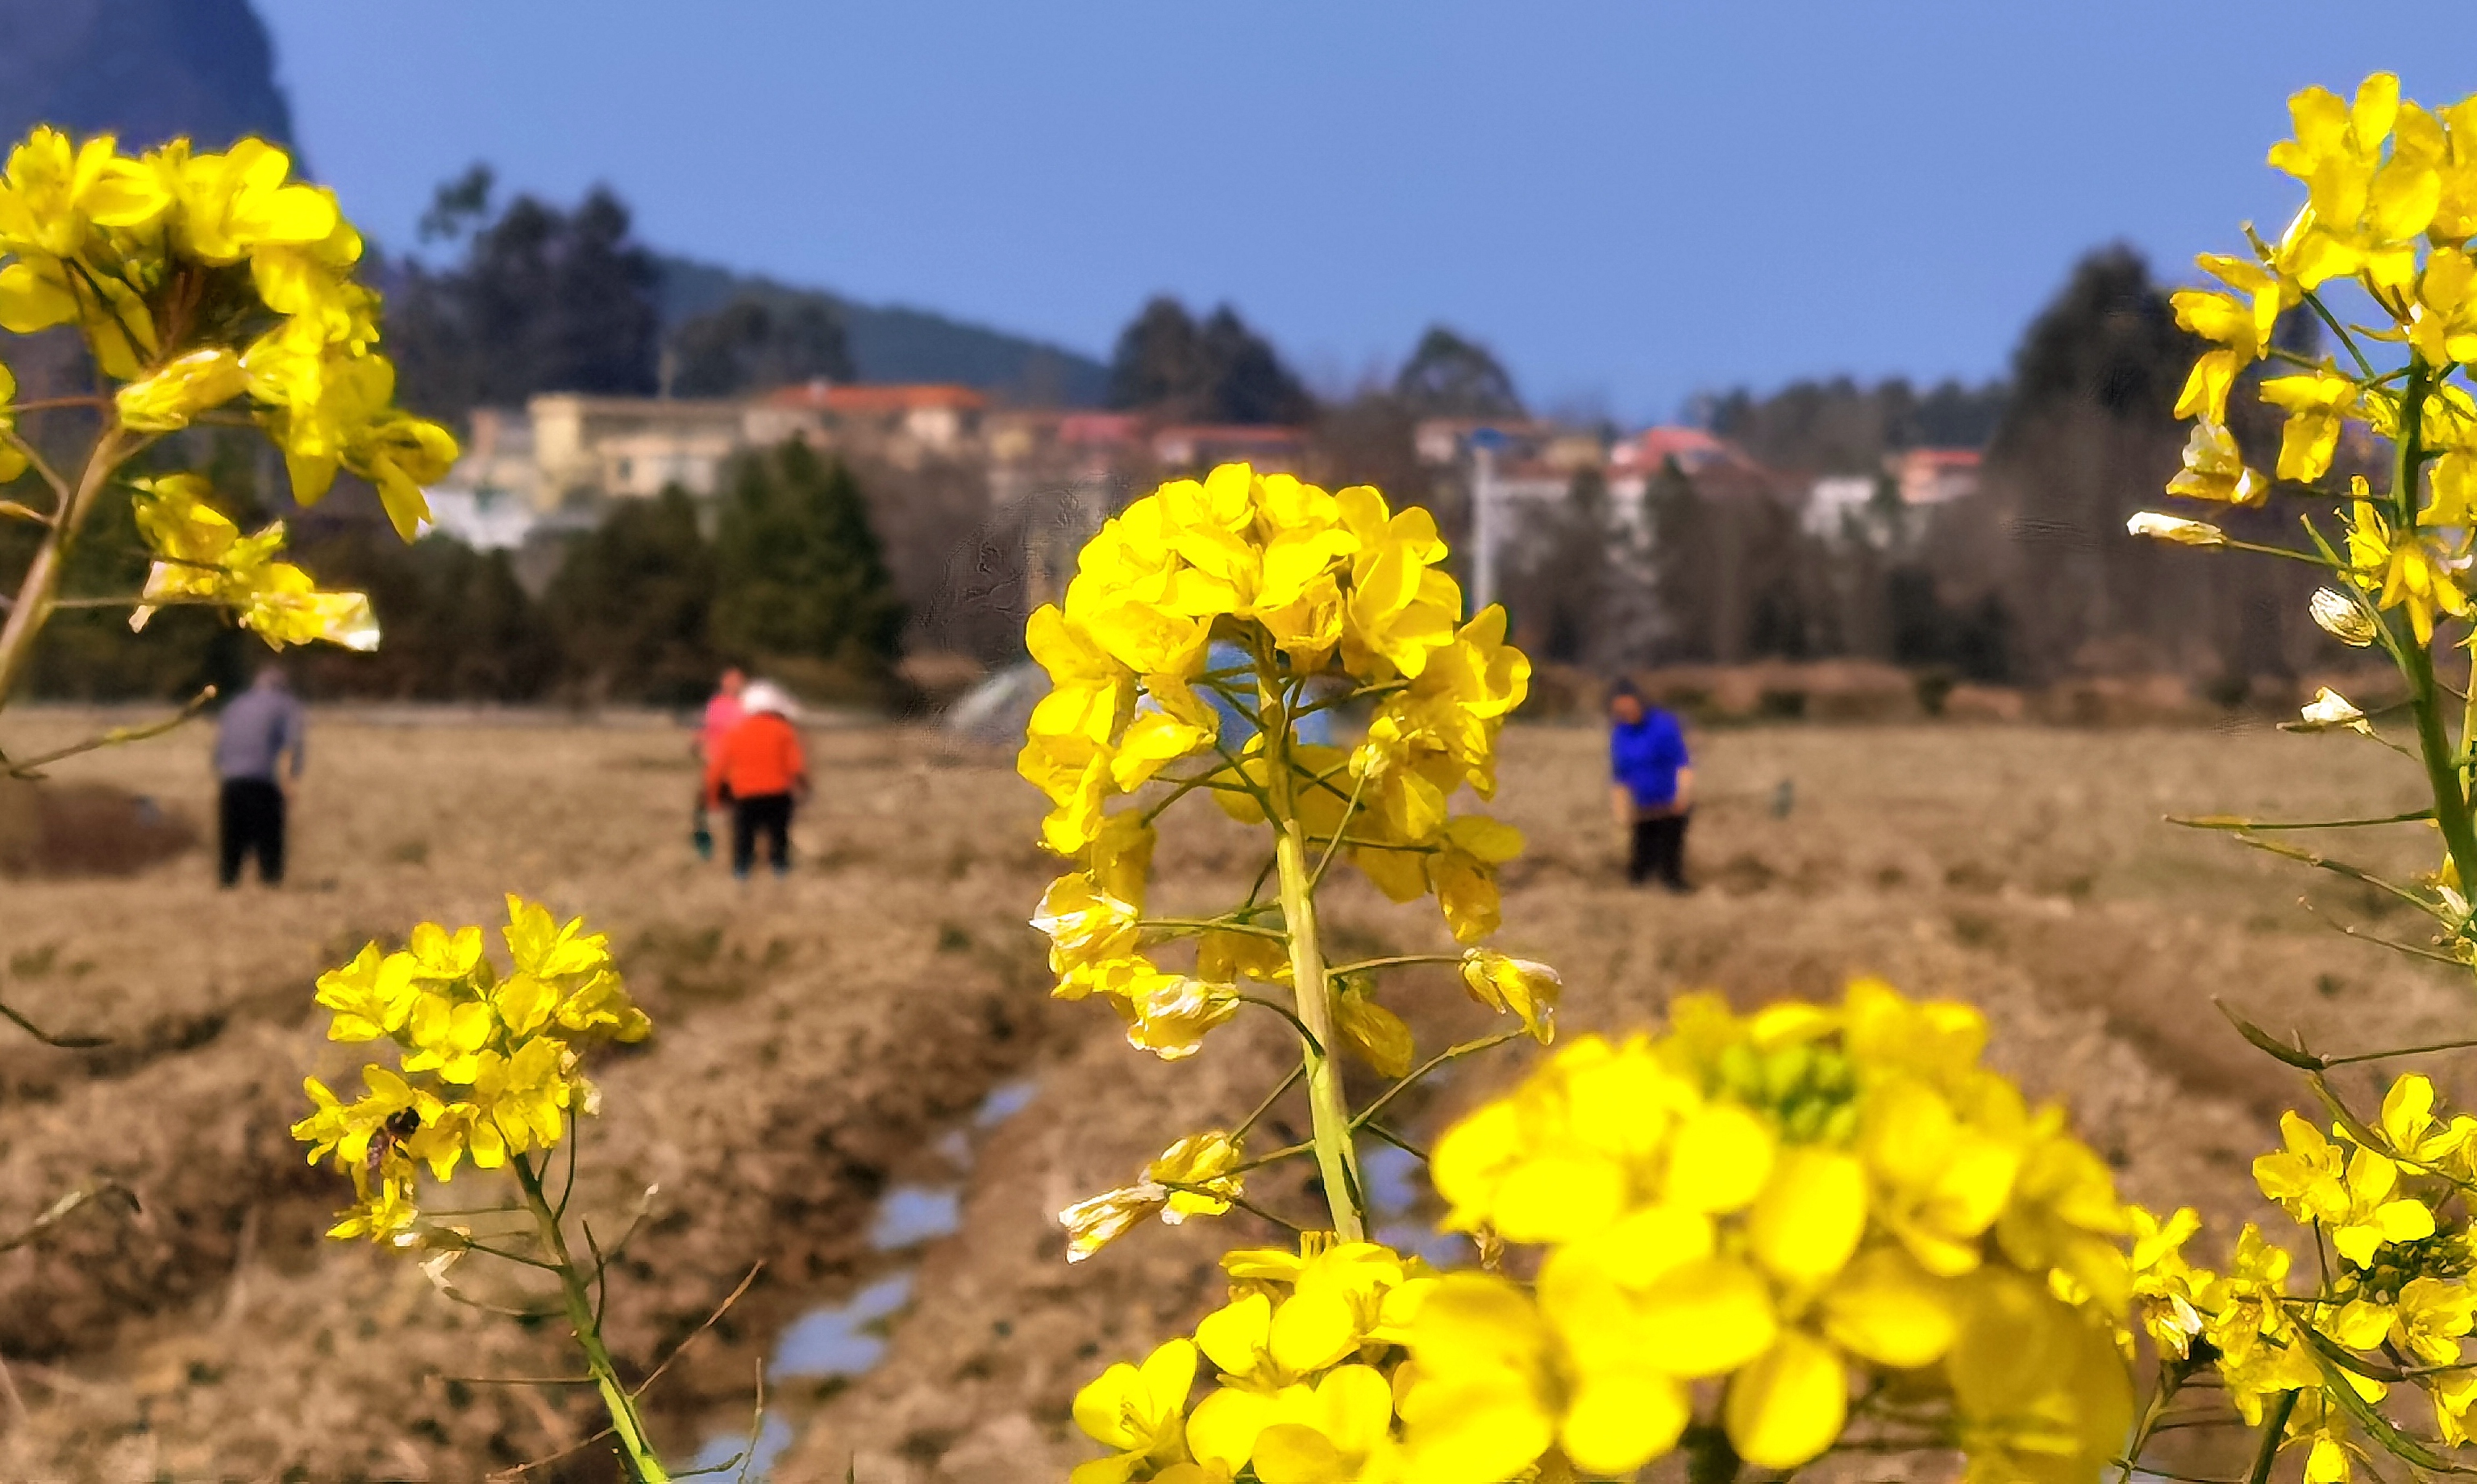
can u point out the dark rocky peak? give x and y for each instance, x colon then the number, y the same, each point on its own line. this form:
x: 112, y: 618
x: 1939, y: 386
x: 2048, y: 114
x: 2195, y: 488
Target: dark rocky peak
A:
x: 144, y: 69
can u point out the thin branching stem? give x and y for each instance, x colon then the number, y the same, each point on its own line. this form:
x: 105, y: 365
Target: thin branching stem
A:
x: 636, y: 1445
x: 1393, y: 960
x: 1316, y: 1045
x: 1449, y: 1054
x: 1266, y: 1106
x: 1236, y: 1200
x: 1333, y: 847
x: 1380, y: 1131
x: 30, y: 768
x: 1182, y: 927
x: 711, y: 1319
x: 64, y: 1043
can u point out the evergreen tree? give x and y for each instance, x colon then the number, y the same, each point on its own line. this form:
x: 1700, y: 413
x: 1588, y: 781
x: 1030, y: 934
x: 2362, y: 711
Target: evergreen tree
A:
x: 1450, y: 377
x: 803, y: 582
x: 1159, y: 360
x: 1250, y: 384
x: 454, y: 624
x: 746, y: 346
x: 633, y: 604
x: 1219, y: 371
x: 2090, y: 437
x: 1682, y: 566
x: 1559, y: 596
x: 545, y: 300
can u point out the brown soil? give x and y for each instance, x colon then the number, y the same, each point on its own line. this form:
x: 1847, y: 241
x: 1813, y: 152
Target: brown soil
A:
x: 815, y: 1034
x: 83, y: 828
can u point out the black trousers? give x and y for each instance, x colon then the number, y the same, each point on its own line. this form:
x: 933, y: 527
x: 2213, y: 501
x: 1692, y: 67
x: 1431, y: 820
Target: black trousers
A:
x: 770, y: 814
x: 1659, y: 851
x: 251, y: 814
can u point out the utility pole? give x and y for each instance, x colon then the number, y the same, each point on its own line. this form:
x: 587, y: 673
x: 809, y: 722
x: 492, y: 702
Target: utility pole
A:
x: 1484, y: 516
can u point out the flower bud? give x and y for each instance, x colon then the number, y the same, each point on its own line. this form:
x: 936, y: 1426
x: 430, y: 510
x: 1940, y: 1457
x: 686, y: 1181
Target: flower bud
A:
x: 166, y: 401
x: 2327, y: 710
x: 2340, y: 617
x: 1093, y: 1225
x: 1515, y: 985
x: 2176, y: 529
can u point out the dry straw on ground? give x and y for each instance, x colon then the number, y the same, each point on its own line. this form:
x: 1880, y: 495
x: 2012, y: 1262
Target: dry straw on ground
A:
x: 816, y: 1032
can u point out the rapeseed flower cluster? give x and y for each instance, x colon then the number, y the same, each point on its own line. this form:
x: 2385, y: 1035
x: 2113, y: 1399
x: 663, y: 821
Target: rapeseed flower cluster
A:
x: 2394, y: 1304
x: 1323, y: 598
x: 1312, y: 585
x: 2330, y: 1348
x: 1738, y: 1227
x: 2390, y: 191
x: 200, y: 279
x: 1306, y: 1358
x: 1747, y: 1217
x: 200, y: 556
x: 488, y: 1065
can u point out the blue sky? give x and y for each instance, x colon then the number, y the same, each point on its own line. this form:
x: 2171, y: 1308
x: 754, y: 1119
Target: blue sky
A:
x: 1628, y: 201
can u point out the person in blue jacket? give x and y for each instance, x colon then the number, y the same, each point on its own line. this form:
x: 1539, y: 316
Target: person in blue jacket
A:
x: 1654, y: 790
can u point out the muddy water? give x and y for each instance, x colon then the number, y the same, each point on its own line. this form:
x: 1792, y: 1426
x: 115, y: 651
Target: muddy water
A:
x: 841, y: 1341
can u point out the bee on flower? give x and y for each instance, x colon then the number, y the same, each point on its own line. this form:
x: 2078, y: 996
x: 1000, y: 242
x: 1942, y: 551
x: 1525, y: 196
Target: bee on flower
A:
x: 488, y: 1065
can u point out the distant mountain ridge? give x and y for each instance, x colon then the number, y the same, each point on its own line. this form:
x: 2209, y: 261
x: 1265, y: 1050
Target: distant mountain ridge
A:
x: 144, y: 69
x: 894, y: 343
x: 150, y: 69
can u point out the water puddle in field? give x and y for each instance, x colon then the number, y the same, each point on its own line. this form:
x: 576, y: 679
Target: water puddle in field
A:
x: 838, y: 1343
x: 908, y: 1215
x: 1394, y: 1179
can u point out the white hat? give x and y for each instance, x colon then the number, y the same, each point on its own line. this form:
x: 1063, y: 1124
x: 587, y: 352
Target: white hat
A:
x: 766, y: 696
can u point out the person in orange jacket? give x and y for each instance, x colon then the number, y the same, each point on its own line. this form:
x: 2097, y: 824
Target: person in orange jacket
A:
x: 759, y: 763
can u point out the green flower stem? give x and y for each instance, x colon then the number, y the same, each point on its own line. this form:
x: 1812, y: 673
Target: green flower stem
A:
x: 1337, y: 1160
x: 39, y: 591
x: 644, y: 1464
x: 2171, y: 1379
x: 2274, y: 1431
x: 1337, y: 1157
x: 2441, y: 759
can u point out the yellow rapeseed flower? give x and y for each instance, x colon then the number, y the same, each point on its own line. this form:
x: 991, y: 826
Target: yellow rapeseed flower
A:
x: 1521, y: 987
x: 488, y: 1066
x: 2405, y: 569
x: 2215, y: 469
x: 2318, y: 403
x: 2365, y: 208
x: 1139, y: 1412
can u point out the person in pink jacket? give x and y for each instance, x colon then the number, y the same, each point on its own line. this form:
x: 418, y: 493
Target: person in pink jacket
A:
x: 722, y: 713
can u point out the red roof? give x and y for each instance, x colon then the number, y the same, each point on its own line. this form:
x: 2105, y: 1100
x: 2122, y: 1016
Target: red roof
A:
x: 1231, y: 432
x: 1098, y: 428
x: 1660, y: 443
x: 1942, y: 457
x: 880, y: 401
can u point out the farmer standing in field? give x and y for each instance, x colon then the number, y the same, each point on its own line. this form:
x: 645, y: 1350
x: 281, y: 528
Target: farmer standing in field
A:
x: 722, y: 712
x: 759, y: 768
x: 1654, y: 789
x: 260, y: 726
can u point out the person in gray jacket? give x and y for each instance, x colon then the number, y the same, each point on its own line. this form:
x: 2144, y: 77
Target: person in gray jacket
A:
x: 253, y: 738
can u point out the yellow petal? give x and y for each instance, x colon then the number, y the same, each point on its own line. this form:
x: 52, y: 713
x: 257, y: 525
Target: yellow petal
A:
x: 1312, y: 1329
x: 1810, y: 1216
x: 1558, y: 1198
x: 1619, y: 1420
x: 1226, y: 1424
x: 1722, y: 1156
x: 1786, y: 1407
x: 1706, y: 1316
x: 1296, y: 1453
x: 1887, y: 1309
